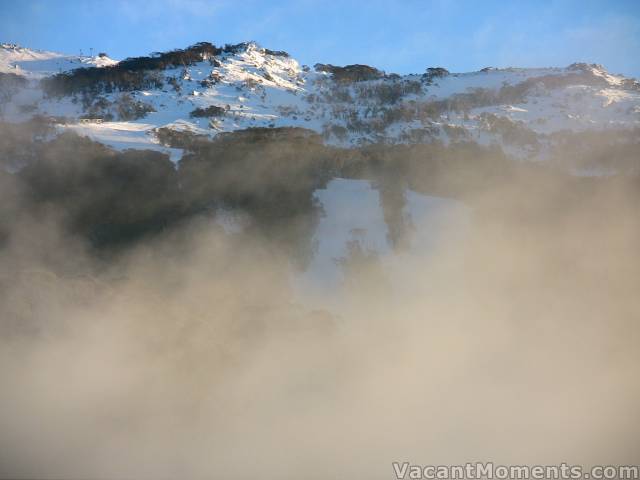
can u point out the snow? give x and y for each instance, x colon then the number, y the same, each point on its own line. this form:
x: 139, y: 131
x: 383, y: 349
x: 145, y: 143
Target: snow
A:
x: 352, y: 213
x: 493, y: 79
x: 257, y: 89
x: 123, y: 136
x: 36, y: 64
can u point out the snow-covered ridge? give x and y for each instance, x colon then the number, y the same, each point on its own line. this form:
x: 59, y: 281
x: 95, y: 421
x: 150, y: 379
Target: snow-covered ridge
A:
x: 36, y: 64
x: 207, y: 90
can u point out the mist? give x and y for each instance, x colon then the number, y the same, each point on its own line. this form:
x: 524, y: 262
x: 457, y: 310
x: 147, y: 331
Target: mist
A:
x: 189, y: 352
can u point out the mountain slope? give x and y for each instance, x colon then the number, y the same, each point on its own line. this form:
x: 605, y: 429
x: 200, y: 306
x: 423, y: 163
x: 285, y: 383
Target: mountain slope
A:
x: 37, y: 64
x: 206, y: 90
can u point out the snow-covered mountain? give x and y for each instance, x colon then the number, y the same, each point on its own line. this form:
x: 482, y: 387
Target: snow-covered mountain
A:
x: 36, y: 64
x: 207, y: 90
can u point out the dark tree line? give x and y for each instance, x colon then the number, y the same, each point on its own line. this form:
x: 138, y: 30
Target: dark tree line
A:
x: 114, y: 199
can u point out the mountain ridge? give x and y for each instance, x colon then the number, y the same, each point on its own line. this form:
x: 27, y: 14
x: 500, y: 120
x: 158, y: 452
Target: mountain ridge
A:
x: 206, y: 90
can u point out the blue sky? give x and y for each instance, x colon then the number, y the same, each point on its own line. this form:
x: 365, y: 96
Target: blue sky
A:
x: 400, y: 36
